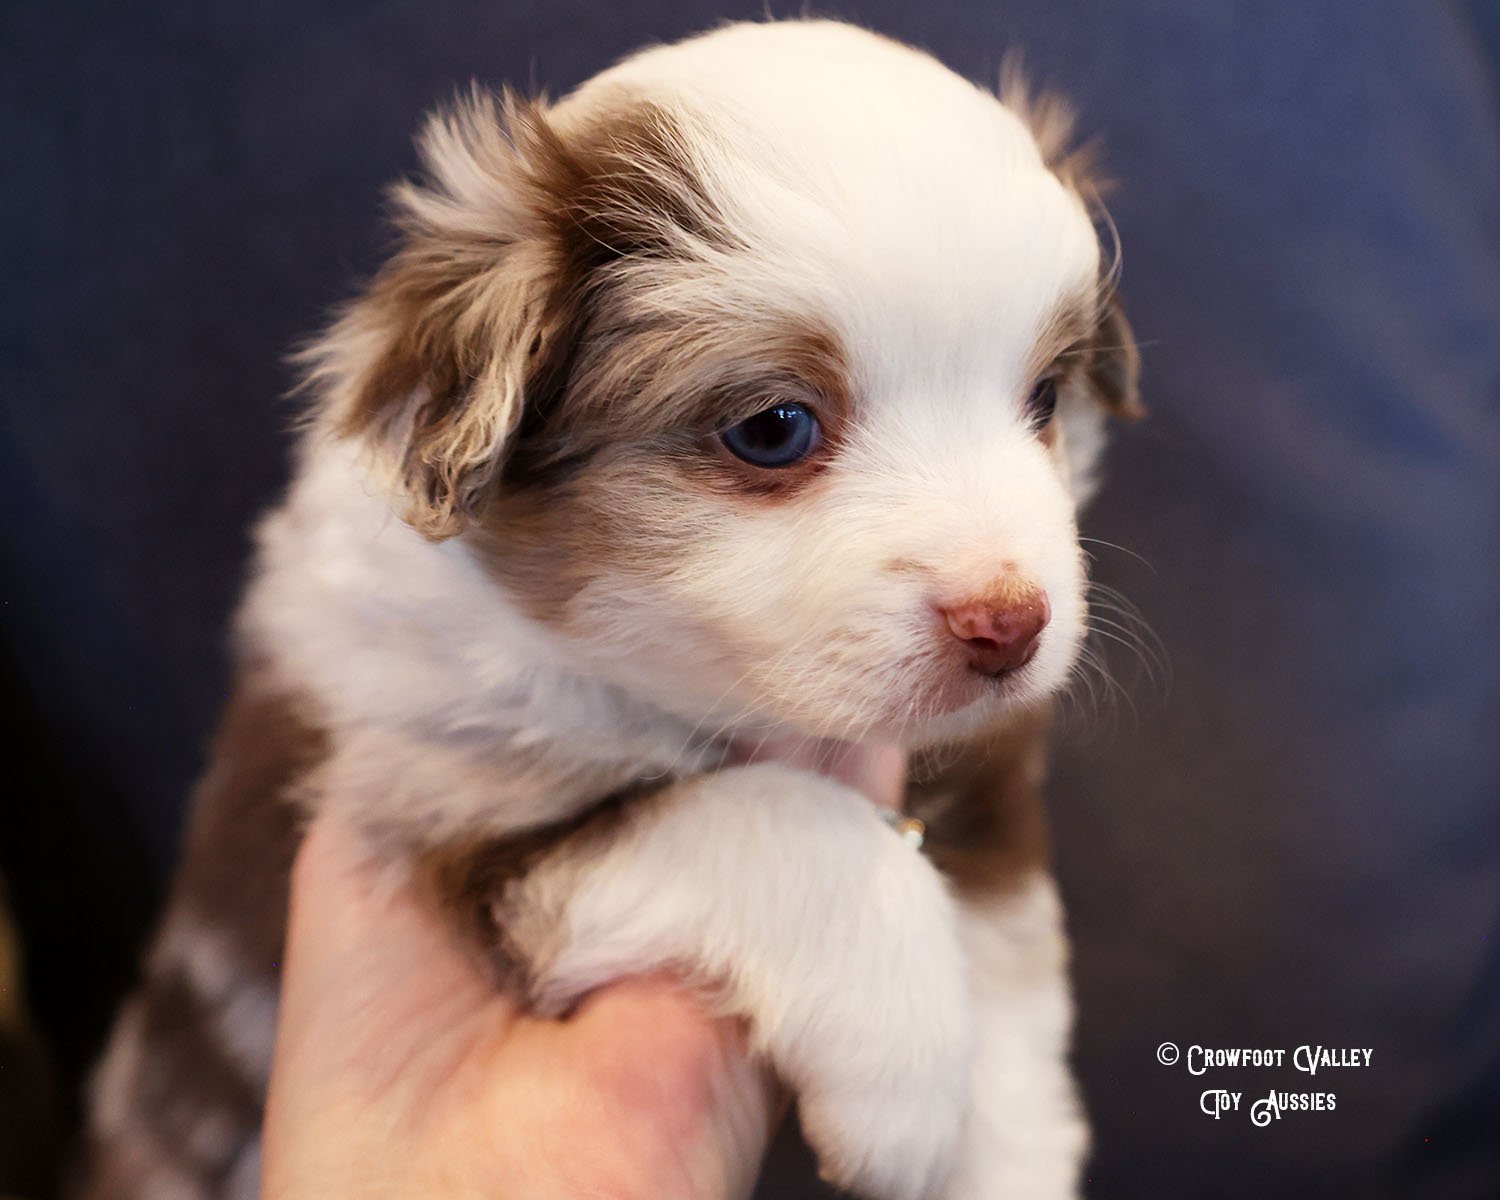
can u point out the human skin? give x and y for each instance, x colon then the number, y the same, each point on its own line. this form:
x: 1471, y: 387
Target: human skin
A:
x: 400, y: 1071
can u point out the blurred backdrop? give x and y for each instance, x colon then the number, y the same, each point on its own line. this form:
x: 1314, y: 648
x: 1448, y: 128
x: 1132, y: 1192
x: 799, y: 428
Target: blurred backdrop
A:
x: 1294, y: 839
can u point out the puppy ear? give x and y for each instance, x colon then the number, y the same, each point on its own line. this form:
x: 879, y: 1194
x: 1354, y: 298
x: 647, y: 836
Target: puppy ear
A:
x: 1114, y: 371
x: 1114, y: 360
x: 511, y: 244
x: 433, y: 364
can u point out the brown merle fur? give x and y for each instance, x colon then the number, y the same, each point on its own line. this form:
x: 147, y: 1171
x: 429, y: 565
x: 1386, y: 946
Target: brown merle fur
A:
x: 194, y: 1106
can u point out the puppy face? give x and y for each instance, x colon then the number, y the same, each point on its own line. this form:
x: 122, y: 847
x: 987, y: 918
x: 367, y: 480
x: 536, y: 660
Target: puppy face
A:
x: 764, y: 371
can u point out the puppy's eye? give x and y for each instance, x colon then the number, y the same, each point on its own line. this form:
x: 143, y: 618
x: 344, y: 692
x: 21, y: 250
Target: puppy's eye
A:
x: 1042, y: 402
x: 775, y: 437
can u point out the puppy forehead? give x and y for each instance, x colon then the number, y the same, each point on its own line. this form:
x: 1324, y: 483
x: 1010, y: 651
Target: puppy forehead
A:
x: 876, y: 189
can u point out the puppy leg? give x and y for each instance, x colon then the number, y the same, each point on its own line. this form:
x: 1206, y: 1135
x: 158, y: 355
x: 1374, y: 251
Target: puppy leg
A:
x: 987, y: 832
x: 176, y: 1100
x: 787, y: 897
x: 1026, y: 1137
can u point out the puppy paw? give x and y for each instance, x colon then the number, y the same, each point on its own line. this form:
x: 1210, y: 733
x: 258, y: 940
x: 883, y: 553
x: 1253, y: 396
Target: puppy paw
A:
x: 789, y: 901
x: 896, y: 1141
x: 876, y: 1035
x: 884, y: 1078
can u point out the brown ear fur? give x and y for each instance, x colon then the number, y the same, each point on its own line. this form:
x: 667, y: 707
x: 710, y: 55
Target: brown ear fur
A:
x: 467, y: 331
x: 1114, y: 370
x: 1114, y: 359
x: 429, y: 365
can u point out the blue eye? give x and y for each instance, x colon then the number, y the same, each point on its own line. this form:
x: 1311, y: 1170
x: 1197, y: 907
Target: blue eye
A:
x: 1042, y: 402
x: 775, y: 437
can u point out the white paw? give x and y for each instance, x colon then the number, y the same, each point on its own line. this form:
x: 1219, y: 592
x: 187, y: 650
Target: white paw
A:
x: 883, y: 1071
x: 1026, y: 1138
x: 897, y: 1141
x: 788, y: 896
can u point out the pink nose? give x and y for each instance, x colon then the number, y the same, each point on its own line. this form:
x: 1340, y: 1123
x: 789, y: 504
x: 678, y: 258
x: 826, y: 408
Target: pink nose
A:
x: 1000, y: 635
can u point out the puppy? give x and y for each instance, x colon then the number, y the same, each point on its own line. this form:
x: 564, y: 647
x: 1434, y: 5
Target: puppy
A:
x: 748, y: 393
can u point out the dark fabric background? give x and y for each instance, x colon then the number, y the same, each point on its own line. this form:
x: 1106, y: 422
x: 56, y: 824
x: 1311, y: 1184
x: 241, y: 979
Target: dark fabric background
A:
x: 1294, y: 840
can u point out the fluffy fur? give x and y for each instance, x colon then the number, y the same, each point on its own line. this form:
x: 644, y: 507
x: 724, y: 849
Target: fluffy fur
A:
x: 521, y: 615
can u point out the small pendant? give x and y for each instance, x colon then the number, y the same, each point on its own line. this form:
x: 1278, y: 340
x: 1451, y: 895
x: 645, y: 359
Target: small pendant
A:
x: 911, y: 831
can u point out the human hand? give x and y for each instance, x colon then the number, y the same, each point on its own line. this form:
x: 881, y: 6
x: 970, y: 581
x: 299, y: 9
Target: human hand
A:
x: 400, y: 1071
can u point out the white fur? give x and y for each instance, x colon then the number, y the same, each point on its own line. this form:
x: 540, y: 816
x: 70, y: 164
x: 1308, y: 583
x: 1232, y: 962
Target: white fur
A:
x: 1026, y: 1134
x: 805, y: 910
x: 912, y: 212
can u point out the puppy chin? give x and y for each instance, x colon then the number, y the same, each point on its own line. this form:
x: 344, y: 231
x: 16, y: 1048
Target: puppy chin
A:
x: 1003, y: 702
x: 951, y: 705
x: 966, y: 705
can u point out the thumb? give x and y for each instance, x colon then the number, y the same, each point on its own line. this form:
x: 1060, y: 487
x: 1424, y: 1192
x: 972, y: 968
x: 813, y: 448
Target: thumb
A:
x: 372, y: 976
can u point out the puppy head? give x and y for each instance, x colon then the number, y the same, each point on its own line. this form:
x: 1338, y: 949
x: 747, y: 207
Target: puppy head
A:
x: 766, y: 371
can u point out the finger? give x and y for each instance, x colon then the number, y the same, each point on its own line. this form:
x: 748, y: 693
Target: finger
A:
x: 878, y: 769
x: 656, y: 1056
x: 658, y: 1016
